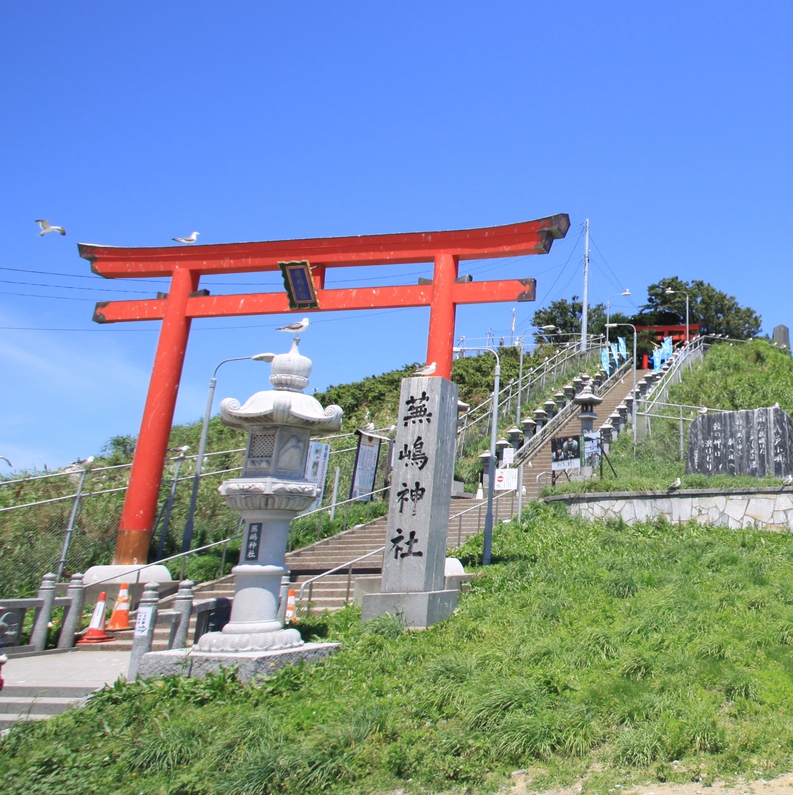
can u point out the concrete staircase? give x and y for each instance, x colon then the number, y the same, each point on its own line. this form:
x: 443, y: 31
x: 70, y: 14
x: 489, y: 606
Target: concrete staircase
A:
x: 18, y: 702
x: 541, y: 459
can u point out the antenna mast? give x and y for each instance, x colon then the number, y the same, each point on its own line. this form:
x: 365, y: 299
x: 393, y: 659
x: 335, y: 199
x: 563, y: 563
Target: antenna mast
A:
x: 585, y: 305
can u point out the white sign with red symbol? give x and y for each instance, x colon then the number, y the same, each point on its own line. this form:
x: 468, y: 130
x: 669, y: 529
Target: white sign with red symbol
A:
x: 506, y: 479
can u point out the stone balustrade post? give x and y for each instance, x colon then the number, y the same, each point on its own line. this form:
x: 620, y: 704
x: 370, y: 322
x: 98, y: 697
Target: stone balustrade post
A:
x: 73, y: 613
x: 144, y: 627
x: 183, y: 604
x: 38, y: 638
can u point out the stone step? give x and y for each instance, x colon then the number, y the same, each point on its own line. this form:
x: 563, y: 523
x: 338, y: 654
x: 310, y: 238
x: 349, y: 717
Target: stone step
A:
x: 34, y: 705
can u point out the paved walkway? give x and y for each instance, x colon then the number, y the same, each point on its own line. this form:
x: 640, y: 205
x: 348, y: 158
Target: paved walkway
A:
x: 69, y: 669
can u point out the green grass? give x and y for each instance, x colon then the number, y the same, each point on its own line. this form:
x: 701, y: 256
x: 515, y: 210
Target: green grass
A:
x: 598, y: 651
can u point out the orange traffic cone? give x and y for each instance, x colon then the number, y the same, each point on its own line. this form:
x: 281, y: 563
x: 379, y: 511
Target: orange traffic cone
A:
x: 120, y: 616
x: 96, y: 629
x: 291, y: 606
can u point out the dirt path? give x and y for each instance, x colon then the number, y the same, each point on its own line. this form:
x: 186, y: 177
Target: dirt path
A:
x: 779, y: 786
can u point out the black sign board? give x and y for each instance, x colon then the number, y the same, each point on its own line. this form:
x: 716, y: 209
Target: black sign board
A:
x: 254, y: 541
x: 299, y: 285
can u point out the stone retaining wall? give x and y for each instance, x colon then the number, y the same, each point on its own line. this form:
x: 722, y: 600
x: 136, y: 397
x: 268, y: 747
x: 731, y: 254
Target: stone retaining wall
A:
x: 769, y: 508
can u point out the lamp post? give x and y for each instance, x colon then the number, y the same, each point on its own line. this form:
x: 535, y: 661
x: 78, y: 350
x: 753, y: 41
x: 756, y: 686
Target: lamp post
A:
x: 491, y: 469
x: 625, y: 292
x: 187, y: 537
x: 670, y: 291
x: 633, y: 404
x: 515, y: 436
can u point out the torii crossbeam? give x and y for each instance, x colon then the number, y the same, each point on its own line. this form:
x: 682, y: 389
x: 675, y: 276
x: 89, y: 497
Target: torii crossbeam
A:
x: 184, y: 301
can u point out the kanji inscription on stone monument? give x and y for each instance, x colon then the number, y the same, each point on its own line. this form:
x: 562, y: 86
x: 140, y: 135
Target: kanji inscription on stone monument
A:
x: 413, y: 563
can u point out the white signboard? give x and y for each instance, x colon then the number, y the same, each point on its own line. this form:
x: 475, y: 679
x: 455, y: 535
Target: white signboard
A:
x: 317, y: 469
x: 365, y: 467
x: 506, y: 480
x: 143, y: 621
x: 509, y: 456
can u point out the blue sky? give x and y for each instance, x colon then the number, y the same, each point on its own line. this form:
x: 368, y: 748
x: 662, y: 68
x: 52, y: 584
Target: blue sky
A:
x: 666, y: 124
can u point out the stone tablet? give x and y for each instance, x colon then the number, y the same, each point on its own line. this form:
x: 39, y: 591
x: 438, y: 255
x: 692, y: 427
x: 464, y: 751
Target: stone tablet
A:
x: 413, y: 581
x: 756, y: 442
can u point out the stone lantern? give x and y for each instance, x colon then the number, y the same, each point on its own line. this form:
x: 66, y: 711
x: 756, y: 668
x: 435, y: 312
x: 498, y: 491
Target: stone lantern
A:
x: 606, y: 435
x: 569, y: 391
x: 515, y: 436
x: 623, y: 412
x: 560, y: 399
x: 501, y: 445
x: 540, y: 417
x: 577, y: 384
x: 528, y: 425
x: 550, y: 408
x: 615, y: 419
x: 588, y: 401
x: 271, y: 492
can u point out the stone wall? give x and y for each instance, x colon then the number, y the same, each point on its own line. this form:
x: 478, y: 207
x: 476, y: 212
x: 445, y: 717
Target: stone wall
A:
x: 769, y: 508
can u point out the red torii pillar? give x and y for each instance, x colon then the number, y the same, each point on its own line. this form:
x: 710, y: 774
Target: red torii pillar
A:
x: 185, y: 301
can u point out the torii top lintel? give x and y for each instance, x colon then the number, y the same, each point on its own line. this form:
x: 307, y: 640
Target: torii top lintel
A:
x: 529, y: 237
x: 183, y: 302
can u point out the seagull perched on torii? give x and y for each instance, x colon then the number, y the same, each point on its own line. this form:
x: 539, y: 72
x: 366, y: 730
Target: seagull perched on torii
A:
x: 296, y: 327
x: 187, y: 240
x: 46, y: 227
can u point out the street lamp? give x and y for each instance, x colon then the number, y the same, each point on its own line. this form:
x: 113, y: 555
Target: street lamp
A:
x: 625, y: 292
x: 491, y: 469
x: 187, y: 537
x: 633, y: 405
x: 670, y: 291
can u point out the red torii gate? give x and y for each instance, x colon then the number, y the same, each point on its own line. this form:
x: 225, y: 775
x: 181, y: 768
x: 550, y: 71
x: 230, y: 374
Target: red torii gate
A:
x: 184, y: 301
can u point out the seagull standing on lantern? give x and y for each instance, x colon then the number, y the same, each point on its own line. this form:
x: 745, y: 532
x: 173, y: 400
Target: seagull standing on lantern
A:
x: 296, y: 328
x: 428, y: 369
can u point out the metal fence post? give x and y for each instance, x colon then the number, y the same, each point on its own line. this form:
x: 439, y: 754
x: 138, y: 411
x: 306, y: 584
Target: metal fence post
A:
x: 681, y: 433
x: 183, y: 604
x: 72, y: 614
x: 70, y: 527
x: 144, y: 628
x: 38, y: 638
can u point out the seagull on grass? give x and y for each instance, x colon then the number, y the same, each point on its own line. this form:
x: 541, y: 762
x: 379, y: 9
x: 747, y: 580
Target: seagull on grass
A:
x: 187, y: 240
x: 787, y: 481
x: 46, y: 227
x: 675, y: 485
x: 296, y: 328
x: 428, y: 369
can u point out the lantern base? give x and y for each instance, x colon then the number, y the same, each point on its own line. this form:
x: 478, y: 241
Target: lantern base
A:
x: 227, y: 642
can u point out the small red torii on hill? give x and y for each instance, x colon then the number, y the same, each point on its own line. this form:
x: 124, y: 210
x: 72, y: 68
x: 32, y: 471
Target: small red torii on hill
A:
x: 184, y: 301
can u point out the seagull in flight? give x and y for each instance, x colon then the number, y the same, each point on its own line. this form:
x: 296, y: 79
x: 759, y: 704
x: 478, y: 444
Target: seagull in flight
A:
x: 186, y: 240
x: 428, y: 369
x: 3, y: 458
x: 296, y: 328
x: 675, y: 485
x: 47, y: 227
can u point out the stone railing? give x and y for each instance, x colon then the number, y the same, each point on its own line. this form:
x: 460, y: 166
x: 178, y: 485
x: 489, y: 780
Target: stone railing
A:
x: 764, y: 508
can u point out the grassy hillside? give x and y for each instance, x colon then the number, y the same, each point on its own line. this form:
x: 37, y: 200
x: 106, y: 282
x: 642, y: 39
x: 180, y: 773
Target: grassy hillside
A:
x: 730, y: 377
x: 616, y: 654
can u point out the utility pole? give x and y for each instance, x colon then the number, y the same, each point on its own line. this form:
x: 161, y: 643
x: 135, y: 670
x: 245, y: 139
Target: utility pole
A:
x: 512, y: 329
x: 585, y: 306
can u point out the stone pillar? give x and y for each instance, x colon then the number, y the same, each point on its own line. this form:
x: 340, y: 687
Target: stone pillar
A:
x: 183, y: 604
x: 38, y: 638
x: 71, y: 618
x: 145, y: 623
x: 413, y: 583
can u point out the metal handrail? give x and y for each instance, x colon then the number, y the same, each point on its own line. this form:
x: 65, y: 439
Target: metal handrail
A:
x: 541, y: 437
x: 350, y: 563
x: 139, y: 569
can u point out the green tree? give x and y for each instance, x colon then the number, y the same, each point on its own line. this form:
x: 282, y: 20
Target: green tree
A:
x: 714, y: 310
x: 566, y: 316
